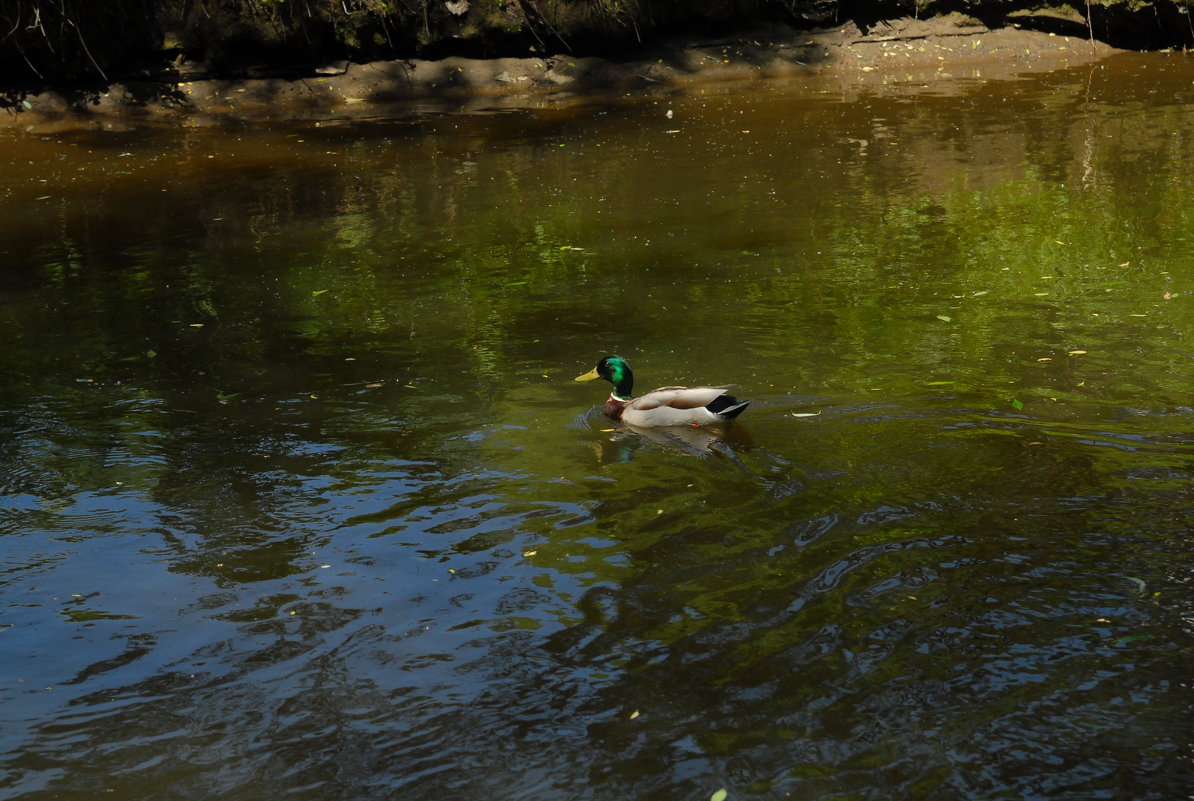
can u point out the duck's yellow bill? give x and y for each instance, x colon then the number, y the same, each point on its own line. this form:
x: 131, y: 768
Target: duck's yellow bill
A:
x: 589, y: 376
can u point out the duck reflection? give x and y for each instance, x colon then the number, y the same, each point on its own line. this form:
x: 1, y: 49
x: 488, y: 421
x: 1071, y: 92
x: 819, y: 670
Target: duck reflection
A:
x: 622, y: 443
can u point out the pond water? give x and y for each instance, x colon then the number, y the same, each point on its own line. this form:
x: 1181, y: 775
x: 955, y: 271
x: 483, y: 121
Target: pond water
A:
x: 299, y: 498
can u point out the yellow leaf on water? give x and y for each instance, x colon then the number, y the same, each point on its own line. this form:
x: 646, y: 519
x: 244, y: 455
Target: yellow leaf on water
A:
x: 1045, y: 359
x: 1075, y: 352
x: 720, y: 795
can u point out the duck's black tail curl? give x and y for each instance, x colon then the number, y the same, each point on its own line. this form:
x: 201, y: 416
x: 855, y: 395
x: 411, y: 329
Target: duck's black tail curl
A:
x: 727, y: 406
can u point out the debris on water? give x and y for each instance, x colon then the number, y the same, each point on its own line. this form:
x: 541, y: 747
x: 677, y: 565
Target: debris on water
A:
x: 1139, y: 584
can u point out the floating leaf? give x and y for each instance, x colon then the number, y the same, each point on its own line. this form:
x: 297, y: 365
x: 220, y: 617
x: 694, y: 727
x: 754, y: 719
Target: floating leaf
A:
x: 941, y: 383
x: 1045, y: 359
x: 720, y: 795
x: 151, y: 353
x: 806, y: 414
x: 945, y: 318
x: 980, y: 293
x: 1075, y: 352
x: 516, y: 283
x: 1017, y: 404
x: 318, y: 292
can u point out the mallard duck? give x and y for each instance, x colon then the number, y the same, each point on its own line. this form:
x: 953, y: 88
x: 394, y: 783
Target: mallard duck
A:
x: 666, y: 406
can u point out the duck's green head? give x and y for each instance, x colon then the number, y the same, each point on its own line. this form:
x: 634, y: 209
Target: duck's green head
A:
x: 615, y: 370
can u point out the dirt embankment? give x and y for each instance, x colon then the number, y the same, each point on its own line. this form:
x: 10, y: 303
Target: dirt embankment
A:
x: 899, y: 50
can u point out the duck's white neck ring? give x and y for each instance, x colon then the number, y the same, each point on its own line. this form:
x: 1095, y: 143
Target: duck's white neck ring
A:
x: 614, y: 397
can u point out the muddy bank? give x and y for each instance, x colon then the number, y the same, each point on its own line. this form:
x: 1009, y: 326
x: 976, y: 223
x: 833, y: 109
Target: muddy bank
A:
x: 896, y: 51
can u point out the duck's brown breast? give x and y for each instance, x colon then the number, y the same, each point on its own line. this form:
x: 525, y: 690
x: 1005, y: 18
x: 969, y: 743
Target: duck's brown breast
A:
x: 613, y: 408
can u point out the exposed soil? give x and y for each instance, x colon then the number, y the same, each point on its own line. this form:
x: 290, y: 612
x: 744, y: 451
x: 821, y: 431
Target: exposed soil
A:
x: 898, y: 51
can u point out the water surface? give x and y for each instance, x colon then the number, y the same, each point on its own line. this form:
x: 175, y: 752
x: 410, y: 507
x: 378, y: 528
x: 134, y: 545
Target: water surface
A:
x: 299, y: 499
